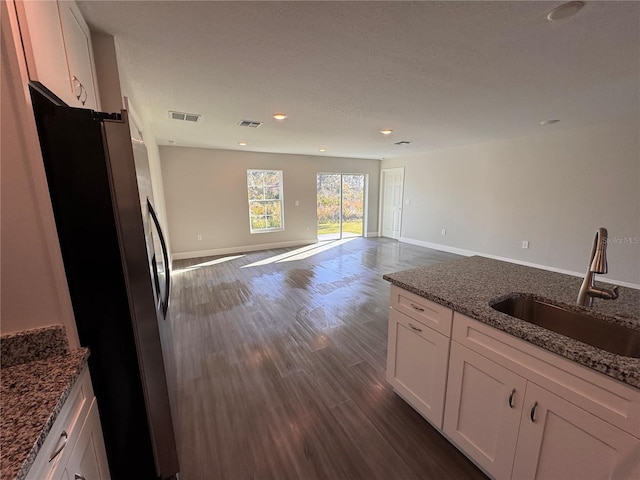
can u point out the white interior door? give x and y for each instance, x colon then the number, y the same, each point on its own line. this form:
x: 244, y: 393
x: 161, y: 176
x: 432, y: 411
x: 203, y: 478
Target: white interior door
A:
x: 392, y: 185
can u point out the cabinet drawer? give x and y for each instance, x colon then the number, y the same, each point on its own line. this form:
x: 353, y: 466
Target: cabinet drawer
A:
x: 417, y: 361
x: 65, y: 430
x: 429, y: 313
x: 604, y: 397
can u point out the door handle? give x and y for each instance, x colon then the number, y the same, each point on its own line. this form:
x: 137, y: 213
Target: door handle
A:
x: 532, y: 414
x: 165, y: 255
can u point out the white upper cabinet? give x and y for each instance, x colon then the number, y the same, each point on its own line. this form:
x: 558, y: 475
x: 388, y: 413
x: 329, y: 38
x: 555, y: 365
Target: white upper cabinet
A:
x: 58, y: 50
x: 44, y: 46
x: 77, y: 41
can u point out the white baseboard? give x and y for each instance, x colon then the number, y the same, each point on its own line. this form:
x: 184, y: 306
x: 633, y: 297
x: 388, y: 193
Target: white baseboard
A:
x: 371, y: 234
x: 239, y: 249
x: 470, y: 253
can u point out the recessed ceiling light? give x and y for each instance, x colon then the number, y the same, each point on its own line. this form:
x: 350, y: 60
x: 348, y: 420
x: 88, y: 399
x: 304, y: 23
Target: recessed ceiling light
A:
x: 386, y: 131
x: 242, y: 144
x: 322, y: 149
x: 549, y: 122
x: 565, y: 10
x: 280, y: 116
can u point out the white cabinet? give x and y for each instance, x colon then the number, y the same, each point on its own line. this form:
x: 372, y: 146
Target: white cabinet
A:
x: 87, y: 460
x: 77, y: 42
x: 514, y: 428
x: 559, y: 440
x: 58, y: 50
x: 74, y: 448
x: 417, y: 365
x: 417, y: 355
x: 43, y: 43
x: 484, y: 406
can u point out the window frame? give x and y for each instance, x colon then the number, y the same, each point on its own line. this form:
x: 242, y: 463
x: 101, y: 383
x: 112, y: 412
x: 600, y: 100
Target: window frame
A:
x: 280, y: 200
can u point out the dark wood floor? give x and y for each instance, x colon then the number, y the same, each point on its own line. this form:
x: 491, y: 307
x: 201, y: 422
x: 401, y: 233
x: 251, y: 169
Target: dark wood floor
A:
x: 281, y: 360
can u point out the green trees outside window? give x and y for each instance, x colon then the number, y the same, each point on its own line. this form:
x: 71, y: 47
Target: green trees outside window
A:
x: 264, y: 189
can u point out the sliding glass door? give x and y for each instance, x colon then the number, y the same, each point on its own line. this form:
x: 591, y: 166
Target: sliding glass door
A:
x: 340, y: 205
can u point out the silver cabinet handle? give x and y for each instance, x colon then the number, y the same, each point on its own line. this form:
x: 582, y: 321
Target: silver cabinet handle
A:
x: 511, y: 395
x: 414, y: 328
x: 83, y: 95
x: 416, y: 307
x: 77, y: 476
x: 64, y: 444
x: 77, y: 87
x: 532, y: 414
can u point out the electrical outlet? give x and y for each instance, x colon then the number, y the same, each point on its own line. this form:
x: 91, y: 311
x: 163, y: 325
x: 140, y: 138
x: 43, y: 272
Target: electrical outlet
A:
x: 443, y: 232
x: 525, y: 244
x: 198, y: 237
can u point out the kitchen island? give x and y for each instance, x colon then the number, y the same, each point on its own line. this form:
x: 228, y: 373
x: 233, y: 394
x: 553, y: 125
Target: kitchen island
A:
x: 519, y: 400
x: 471, y: 285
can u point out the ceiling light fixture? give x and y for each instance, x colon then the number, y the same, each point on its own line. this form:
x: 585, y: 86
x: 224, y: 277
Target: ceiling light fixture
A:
x: 242, y: 144
x: 280, y: 116
x: 322, y: 149
x: 549, y: 122
x: 386, y: 131
x: 565, y: 10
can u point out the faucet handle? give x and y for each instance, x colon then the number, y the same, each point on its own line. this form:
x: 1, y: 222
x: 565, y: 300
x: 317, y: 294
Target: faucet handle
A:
x: 605, y: 293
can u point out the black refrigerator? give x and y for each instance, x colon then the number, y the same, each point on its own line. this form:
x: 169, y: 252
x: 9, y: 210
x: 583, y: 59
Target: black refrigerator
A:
x: 117, y: 268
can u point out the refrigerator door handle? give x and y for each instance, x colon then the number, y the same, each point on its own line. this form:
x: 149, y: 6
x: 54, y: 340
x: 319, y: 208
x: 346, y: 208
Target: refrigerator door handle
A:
x: 165, y: 256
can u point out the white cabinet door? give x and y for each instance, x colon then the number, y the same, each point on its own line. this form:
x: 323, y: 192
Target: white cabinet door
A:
x: 484, y: 405
x: 44, y: 47
x: 77, y: 43
x: 559, y: 440
x: 417, y: 361
x: 88, y: 461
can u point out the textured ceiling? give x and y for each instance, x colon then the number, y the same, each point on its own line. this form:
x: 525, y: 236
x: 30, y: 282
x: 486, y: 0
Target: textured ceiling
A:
x: 440, y: 74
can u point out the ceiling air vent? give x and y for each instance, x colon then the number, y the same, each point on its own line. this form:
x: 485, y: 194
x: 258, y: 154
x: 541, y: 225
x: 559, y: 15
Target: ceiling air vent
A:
x: 187, y: 117
x: 250, y: 123
x: 402, y: 142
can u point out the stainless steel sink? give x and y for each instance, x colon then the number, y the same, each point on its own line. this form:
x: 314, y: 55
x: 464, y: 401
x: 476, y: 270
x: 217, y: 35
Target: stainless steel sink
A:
x: 593, y: 331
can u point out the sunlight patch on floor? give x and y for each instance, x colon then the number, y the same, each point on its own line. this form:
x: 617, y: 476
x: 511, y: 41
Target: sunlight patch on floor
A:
x: 300, y: 253
x: 205, y: 264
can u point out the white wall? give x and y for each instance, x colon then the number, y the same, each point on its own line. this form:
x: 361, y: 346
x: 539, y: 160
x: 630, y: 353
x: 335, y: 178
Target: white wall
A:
x: 206, y: 193
x: 34, y: 291
x: 553, y: 190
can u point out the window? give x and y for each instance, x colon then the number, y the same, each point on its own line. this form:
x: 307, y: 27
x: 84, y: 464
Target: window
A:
x: 265, y: 200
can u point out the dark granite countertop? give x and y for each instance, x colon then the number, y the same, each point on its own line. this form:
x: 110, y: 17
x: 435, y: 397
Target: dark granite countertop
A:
x: 32, y: 392
x: 470, y: 285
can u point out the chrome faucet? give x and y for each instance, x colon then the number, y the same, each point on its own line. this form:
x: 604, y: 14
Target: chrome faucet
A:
x: 597, y: 264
